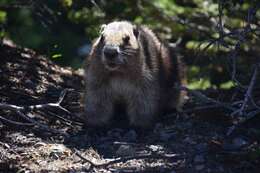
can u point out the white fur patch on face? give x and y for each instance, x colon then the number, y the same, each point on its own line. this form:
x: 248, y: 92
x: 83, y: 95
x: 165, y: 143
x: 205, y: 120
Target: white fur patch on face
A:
x: 115, y: 32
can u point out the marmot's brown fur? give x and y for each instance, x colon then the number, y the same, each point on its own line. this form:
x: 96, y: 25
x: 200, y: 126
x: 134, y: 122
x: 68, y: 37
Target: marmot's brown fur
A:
x: 129, y: 66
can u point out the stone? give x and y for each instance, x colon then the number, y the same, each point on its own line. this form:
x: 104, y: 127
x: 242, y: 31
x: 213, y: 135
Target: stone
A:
x: 189, y: 140
x: 130, y: 136
x: 164, y: 136
x: 201, y: 148
x: 199, y: 167
x: 155, y: 148
x: 236, y: 144
x: 125, y: 150
x: 199, y: 159
x: 239, y: 142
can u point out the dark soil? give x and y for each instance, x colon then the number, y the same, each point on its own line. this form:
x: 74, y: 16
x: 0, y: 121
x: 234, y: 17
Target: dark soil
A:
x: 179, y: 142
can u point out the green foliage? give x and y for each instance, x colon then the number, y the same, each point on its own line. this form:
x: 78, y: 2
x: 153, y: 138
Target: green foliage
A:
x: 56, y: 56
x: 2, y: 16
x: 59, y: 28
x: 66, y: 3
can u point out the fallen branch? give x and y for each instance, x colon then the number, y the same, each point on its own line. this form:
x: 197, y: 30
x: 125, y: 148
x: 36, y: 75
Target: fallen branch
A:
x: 16, y: 122
x: 208, y: 100
x: 249, y: 91
x: 233, y: 107
x: 125, y: 159
x: 36, y: 107
x: 199, y: 108
x: 21, y: 109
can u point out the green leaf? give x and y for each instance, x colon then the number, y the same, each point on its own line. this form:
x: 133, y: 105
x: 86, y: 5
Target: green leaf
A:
x: 3, y: 15
x: 67, y: 3
x: 55, y: 56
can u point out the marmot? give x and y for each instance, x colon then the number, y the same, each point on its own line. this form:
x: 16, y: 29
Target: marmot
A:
x: 129, y: 66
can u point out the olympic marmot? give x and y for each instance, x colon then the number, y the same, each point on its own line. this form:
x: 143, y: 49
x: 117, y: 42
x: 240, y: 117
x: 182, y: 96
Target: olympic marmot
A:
x: 128, y: 66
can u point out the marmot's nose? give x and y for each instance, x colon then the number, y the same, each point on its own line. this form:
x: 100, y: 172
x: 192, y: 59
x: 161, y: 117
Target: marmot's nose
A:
x: 110, y: 51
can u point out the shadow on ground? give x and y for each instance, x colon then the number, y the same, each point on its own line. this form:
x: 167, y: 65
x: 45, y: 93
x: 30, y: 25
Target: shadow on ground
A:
x: 179, y: 142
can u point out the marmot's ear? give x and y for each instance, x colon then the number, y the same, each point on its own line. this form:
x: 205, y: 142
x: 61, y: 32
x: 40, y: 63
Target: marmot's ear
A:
x: 101, y: 32
x: 136, y: 31
x: 102, y: 28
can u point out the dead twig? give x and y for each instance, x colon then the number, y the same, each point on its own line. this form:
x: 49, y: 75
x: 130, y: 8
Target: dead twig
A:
x: 249, y: 91
x: 125, y: 159
x: 16, y: 122
x: 212, y: 103
x: 200, y: 108
x: 204, y: 99
x: 47, y: 105
x: 36, y: 107
x: 248, y: 95
x: 21, y: 109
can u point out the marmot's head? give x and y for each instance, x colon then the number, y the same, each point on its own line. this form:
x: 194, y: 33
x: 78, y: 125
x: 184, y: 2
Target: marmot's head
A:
x: 119, y: 45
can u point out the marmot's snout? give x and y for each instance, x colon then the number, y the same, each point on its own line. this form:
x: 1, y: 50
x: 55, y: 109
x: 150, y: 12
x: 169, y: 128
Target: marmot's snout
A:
x: 110, y: 52
x: 112, y: 58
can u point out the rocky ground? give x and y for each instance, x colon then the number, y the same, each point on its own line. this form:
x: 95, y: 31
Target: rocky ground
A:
x: 52, y: 139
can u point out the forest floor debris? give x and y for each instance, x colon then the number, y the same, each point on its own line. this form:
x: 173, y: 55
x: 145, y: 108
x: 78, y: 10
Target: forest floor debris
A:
x: 193, y: 141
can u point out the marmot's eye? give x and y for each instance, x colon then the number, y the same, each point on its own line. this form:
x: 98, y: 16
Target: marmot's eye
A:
x: 136, y: 31
x: 102, y: 38
x: 126, y: 39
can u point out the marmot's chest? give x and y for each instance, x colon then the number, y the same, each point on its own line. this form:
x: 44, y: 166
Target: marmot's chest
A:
x: 122, y: 88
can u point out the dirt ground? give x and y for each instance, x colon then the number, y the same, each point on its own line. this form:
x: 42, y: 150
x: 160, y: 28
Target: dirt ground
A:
x: 194, y: 141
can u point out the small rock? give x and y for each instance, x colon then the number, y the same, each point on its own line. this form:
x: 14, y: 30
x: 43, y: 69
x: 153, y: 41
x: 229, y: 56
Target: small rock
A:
x: 115, y: 133
x: 220, y: 169
x: 189, y: 140
x: 236, y: 144
x: 39, y: 144
x: 239, y: 142
x: 158, y: 127
x: 155, y: 148
x: 187, y: 125
x: 125, y: 150
x: 130, y: 136
x: 57, y: 150
x: 29, y: 83
x: 199, y: 167
x: 31, y: 115
x: 7, y: 146
x: 164, y: 136
x: 199, y: 159
x: 30, y: 135
x: 208, y: 170
x: 201, y: 148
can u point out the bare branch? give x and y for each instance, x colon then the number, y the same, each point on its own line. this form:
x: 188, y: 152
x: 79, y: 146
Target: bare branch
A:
x: 247, y: 94
x: 16, y: 123
x: 206, y: 99
x: 20, y: 109
x: 125, y: 159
